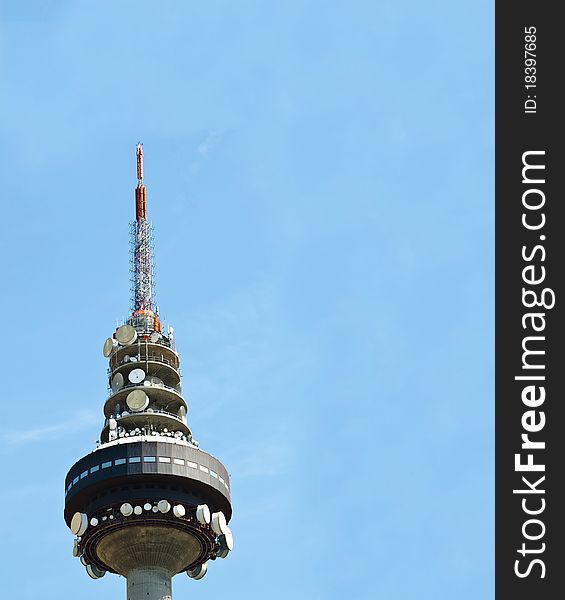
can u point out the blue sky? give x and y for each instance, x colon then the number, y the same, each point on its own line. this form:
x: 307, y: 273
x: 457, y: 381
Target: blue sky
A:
x: 321, y: 185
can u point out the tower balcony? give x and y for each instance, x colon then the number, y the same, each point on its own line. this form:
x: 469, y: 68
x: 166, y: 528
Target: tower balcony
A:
x: 161, y: 396
x: 163, y: 422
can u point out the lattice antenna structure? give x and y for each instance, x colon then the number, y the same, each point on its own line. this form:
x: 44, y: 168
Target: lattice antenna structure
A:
x: 141, y: 236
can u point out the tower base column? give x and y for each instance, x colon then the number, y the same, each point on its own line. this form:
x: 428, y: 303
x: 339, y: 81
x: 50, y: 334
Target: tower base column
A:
x: 149, y: 584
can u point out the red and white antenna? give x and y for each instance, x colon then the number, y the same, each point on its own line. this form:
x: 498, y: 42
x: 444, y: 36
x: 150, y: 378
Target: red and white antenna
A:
x: 141, y: 245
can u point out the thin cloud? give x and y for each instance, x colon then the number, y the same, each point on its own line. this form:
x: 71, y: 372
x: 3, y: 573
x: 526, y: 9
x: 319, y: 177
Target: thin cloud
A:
x: 209, y: 143
x: 54, y: 431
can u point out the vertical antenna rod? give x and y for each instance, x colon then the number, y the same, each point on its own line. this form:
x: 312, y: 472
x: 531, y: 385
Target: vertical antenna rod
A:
x: 140, y: 191
x: 141, y: 245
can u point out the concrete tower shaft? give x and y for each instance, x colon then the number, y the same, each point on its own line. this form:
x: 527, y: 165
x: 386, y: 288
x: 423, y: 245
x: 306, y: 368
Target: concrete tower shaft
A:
x: 147, y: 503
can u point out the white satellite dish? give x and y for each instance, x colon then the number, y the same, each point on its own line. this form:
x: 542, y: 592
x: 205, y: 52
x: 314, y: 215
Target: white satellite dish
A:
x: 137, y: 400
x: 147, y: 506
x: 203, y: 514
x: 79, y: 523
x: 198, y: 572
x: 117, y: 382
x: 179, y: 510
x: 126, y: 358
x: 219, y: 523
x: 226, y: 545
x: 155, y: 337
x: 226, y: 541
x: 126, y: 509
x: 94, y: 521
x: 109, y: 346
x: 136, y: 376
x: 126, y: 335
x: 164, y: 506
x: 76, y: 549
x: 94, y: 572
x: 112, y: 423
x: 138, y: 510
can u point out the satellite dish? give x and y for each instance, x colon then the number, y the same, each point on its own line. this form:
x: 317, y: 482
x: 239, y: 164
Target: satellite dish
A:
x: 147, y: 506
x: 94, y: 521
x: 126, y: 509
x: 137, y: 400
x: 126, y: 335
x: 109, y: 346
x: 164, y: 506
x: 94, y: 572
x: 203, y: 514
x: 179, y: 510
x: 155, y: 337
x: 182, y: 414
x: 126, y: 358
x: 112, y: 423
x: 219, y: 523
x: 79, y: 523
x: 76, y: 549
x: 136, y: 376
x: 117, y: 382
x: 198, y: 572
x: 138, y: 510
x: 226, y: 543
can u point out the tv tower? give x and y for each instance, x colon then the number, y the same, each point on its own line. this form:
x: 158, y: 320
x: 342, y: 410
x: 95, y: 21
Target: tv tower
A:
x: 147, y: 503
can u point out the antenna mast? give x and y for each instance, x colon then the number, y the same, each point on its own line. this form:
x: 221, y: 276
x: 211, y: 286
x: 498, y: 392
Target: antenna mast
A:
x: 141, y: 247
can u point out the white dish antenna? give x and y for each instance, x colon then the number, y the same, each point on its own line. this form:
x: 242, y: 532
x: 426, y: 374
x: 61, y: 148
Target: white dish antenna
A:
x: 76, y: 549
x: 79, y: 523
x: 126, y: 509
x: 117, y: 382
x: 198, y: 572
x: 136, y: 376
x: 179, y: 510
x: 109, y: 346
x: 164, y: 506
x: 137, y: 400
x: 94, y: 572
x: 155, y: 337
x: 219, y: 523
x: 126, y: 335
x: 203, y: 514
x: 138, y: 510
